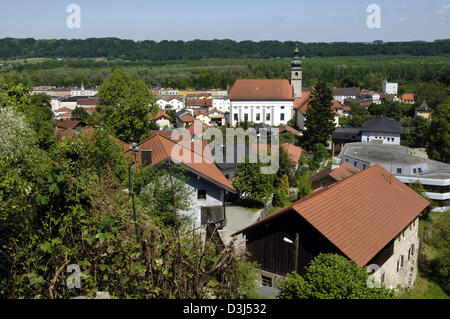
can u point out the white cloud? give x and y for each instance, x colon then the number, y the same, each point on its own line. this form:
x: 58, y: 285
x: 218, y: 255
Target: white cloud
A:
x: 403, y: 19
x: 441, y: 11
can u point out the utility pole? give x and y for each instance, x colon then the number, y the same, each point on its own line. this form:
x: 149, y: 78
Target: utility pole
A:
x: 135, y: 149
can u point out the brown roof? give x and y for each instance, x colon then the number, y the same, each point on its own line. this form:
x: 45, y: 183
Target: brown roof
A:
x: 205, y: 167
x: 186, y: 118
x: 161, y: 113
x: 408, y: 96
x: 199, y: 102
x: 343, y: 171
x: 63, y: 109
x: 66, y: 124
x: 261, y: 90
x: 302, y: 104
x: 87, y: 101
x: 293, y: 151
x: 361, y: 214
x: 89, y: 132
x: 287, y: 128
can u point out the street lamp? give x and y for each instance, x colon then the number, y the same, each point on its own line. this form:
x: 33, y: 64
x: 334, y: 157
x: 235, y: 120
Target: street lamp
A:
x: 135, y: 149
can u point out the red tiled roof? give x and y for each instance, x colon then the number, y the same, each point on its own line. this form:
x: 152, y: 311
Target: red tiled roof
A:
x: 293, y: 151
x: 287, y: 128
x: 343, y: 171
x: 361, y: 214
x: 186, y: 118
x: 63, y: 109
x: 261, y: 90
x: 408, y: 96
x: 302, y: 104
x: 161, y: 113
x: 205, y: 167
x: 87, y: 101
x: 66, y: 124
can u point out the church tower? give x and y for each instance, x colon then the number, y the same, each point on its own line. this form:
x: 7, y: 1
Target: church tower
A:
x: 296, y: 74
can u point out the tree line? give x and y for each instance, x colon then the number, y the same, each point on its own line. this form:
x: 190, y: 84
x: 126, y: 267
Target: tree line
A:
x: 114, y: 48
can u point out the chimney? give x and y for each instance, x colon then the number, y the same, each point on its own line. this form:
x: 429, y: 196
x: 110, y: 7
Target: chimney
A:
x: 146, y: 156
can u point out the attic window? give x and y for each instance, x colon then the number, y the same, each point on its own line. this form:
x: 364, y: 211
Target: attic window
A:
x: 201, y: 194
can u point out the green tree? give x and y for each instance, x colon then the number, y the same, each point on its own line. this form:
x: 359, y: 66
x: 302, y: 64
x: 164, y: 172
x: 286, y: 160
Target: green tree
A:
x: 126, y: 106
x: 251, y: 184
x: 319, y: 117
x: 331, y: 276
x: 420, y: 189
x: 79, y: 114
x: 320, y: 154
x: 439, y: 134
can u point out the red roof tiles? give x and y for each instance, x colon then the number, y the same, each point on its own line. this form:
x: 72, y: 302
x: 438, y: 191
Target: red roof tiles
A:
x: 361, y: 214
x: 261, y: 90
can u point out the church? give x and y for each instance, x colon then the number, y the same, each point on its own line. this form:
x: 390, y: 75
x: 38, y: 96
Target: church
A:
x: 269, y: 101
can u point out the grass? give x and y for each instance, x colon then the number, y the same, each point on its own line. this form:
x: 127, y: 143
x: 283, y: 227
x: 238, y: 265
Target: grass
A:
x: 424, y: 289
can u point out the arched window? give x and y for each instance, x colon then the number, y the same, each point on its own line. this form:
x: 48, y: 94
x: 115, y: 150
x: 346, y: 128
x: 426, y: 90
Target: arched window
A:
x: 296, y: 73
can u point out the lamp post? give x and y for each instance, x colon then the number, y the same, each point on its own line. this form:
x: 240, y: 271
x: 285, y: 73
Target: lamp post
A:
x: 135, y: 149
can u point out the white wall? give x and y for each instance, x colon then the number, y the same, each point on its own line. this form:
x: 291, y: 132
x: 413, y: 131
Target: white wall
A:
x: 252, y: 108
x: 407, y: 274
x: 380, y: 136
x: 220, y: 103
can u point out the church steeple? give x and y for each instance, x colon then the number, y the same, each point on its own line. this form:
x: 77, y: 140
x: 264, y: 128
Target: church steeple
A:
x: 296, y: 74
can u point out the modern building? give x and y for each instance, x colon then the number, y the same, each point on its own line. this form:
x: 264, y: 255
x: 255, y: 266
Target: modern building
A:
x: 369, y: 217
x: 90, y: 91
x: 397, y: 159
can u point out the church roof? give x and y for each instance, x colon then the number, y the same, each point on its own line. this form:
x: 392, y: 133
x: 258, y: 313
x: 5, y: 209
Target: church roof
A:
x: 261, y: 90
x: 424, y: 107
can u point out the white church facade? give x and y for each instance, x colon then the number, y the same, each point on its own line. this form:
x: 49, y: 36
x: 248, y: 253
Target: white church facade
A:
x: 269, y: 101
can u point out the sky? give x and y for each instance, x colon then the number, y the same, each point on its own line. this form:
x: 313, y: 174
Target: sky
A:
x: 283, y: 20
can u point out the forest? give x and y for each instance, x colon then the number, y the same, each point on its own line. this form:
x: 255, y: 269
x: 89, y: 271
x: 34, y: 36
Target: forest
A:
x: 114, y: 48
x: 365, y: 71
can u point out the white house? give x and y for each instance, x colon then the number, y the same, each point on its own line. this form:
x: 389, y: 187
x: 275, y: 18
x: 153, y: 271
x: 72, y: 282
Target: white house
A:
x: 221, y: 103
x: 381, y: 130
x: 170, y: 103
x: 83, y: 91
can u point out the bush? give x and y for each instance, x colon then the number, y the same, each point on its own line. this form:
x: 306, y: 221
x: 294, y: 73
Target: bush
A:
x: 331, y: 276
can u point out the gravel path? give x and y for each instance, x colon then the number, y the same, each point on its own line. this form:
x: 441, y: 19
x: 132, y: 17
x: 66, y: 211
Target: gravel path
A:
x: 237, y: 218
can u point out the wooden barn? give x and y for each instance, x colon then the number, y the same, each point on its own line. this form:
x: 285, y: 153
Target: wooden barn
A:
x: 369, y: 217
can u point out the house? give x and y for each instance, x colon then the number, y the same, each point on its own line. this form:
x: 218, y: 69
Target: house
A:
x: 340, y: 94
x: 221, y: 103
x: 184, y: 119
x: 408, y: 98
x: 230, y: 156
x: 294, y: 152
x: 68, y: 128
x: 62, y: 92
x: 342, y: 136
x: 398, y: 160
x: 390, y: 87
x: 195, y: 103
x: 63, y: 113
x: 381, y: 130
x: 330, y: 176
x: 87, y: 102
x: 90, y: 91
x: 162, y: 119
x: 424, y: 110
x: 207, y: 185
x: 217, y: 117
x: 170, y: 102
x: 369, y: 217
x: 302, y: 104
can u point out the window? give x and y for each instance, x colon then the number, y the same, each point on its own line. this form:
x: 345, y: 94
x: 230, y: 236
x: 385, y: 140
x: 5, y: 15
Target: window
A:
x: 258, y: 117
x: 364, y: 166
x: 201, y: 194
x: 355, y: 163
x: 266, y: 281
x: 402, y: 260
x: 367, y: 139
x: 282, y: 107
x: 415, y: 171
x: 323, y: 184
x: 246, y: 117
x: 399, y: 170
x: 267, y: 117
x: 281, y: 117
x: 235, y: 117
x: 382, y: 277
x: 420, y: 170
x: 412, y: 249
